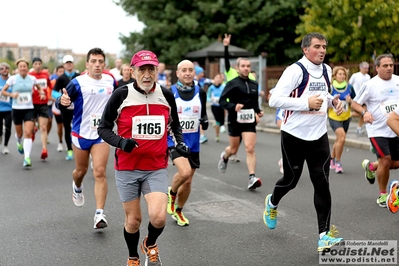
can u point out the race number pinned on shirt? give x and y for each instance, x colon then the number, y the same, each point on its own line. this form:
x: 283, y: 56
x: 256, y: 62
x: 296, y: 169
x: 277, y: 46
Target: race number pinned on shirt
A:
x: 151, y: 127
x: 215, y: 100
x: 246, y: 116
x: 24, y: 98
x: 42, y: 83
x: 4, y: 99
x: 388, y: 107
x: 189, y: 123
x: 94, y: 121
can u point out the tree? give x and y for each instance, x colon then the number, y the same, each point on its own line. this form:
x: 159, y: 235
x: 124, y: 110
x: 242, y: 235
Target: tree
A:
x: 81, y: 65
x: 10, y: 55
x: 10, y: 62
x: 176, y: 27
x: 355, y: 29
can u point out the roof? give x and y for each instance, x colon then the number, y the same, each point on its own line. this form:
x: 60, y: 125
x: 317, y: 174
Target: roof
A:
x: 216, y: 49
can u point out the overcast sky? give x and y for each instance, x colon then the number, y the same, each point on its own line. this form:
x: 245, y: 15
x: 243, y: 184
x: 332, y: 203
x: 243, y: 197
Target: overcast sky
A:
x: 73, y: 24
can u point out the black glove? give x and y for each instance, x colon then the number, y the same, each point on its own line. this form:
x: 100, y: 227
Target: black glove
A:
x: 204, y: 123
x: 127, y: 145
x: 182, y: 149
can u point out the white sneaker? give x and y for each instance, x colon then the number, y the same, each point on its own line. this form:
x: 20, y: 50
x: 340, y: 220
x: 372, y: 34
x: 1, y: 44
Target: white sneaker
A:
x: 234, y: 158
x: 60, y: 148
x: 254, y: 182
x: 5, y: 150
x: 100, y: 221
x: 222, y: 165
x: 222, y: 129
x: 77, y: 197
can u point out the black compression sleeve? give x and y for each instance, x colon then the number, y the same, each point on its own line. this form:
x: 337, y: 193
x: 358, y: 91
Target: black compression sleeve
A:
x: 175, y: 124
x: 105, y: 129
x: 204, y: 115
x: 226, y: 59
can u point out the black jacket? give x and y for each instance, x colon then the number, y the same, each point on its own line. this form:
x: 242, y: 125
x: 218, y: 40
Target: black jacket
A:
x: 243, y: 91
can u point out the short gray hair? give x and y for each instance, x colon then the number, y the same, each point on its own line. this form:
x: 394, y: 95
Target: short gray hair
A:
x: 307, y: 39
x: 378, y: 59
x: 364, y: 64
x: 4, y: 64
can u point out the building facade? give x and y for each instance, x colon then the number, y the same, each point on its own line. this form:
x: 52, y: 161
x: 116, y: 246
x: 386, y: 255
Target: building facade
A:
x: 29, y: 52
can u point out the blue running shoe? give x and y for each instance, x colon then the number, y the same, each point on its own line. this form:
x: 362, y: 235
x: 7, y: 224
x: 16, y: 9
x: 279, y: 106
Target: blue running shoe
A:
x: 27, y: 163
x: 69, y: 156
x: 20, y: 148
x: 203, y: 139
x: 329, y: 240
x: 270, y: 214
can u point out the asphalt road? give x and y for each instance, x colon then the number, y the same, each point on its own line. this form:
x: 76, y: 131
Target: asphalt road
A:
x: 39, y: 224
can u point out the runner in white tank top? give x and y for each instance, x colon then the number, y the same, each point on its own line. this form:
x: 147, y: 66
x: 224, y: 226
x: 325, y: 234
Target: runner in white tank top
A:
x: 381, y: 96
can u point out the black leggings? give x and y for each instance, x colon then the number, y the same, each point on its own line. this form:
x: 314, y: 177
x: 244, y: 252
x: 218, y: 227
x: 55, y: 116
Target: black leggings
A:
x: 67, y: 116
x: 218, y: 113
x: 316, y: 153
x: 6, y: 116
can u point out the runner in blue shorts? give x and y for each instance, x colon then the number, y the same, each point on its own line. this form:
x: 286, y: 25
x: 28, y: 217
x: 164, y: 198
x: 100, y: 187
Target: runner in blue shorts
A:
x: 89, y: 93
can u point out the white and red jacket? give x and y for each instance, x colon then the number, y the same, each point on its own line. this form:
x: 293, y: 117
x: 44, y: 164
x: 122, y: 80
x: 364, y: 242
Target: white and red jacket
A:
x: 147, y: 118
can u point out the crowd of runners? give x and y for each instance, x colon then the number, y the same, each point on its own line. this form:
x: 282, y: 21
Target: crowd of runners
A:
x: 135, y: 108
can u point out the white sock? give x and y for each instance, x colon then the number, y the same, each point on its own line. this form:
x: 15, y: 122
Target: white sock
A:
x: 99, y: 211
x: 271, y: 204
x: 322, y: 234
x: 27, y: 147
x: 18, y: 139
x: 77, y: 189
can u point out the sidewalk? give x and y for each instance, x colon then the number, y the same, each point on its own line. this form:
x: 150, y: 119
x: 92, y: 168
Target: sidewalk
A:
x: 354, y: 140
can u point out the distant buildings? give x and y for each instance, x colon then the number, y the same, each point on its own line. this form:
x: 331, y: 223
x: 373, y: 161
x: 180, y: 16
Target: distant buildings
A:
x: 46, y: 54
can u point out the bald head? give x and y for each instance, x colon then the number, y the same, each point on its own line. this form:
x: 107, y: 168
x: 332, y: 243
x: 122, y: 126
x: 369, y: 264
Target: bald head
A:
x: 118, y: 63
x: 185, y: 72
x: 185, y: 63
x: 161, y: 67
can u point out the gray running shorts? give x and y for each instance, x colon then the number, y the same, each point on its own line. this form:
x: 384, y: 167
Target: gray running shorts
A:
x: 131, y: 184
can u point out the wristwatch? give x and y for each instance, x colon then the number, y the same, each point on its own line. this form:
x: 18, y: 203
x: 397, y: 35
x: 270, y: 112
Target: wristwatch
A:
x: 364, y: 111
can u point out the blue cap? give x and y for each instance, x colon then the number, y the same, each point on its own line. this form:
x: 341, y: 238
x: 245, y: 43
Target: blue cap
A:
x: 198, y: 70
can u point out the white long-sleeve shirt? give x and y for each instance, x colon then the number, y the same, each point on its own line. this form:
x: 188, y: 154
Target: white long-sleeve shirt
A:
x: 381, y: 97
x: 299, y: 120
x: 357, y: 80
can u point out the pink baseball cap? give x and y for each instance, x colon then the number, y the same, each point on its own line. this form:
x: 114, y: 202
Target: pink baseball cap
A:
x: 144, y: 57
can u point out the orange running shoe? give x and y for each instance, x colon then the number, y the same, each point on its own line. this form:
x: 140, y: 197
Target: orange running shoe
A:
x: 180, y: 219
x: 133, y: 262
x: 44, y: 154
x: 151, y: 254
x: 393, y: 200
x: 171, y: 202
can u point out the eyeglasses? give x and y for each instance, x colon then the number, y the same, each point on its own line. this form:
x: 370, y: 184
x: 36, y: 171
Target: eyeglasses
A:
x: 142, y: 70
x: 2, y: 68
